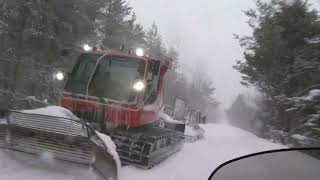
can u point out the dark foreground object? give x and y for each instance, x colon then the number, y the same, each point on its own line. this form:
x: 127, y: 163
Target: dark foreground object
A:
x: 284, y: 164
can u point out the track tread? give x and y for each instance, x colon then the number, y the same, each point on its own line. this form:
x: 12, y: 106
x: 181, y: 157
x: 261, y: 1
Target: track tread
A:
x: 146, y: 156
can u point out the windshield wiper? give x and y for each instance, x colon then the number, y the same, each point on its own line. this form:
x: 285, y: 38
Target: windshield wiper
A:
x: 94, y: 70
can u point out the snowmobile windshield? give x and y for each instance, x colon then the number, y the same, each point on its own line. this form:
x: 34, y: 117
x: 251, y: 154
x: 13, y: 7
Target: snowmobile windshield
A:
x: 112, y: 78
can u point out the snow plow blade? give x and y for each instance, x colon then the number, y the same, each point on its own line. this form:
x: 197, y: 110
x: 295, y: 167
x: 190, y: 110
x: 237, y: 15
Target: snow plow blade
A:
x: 103, y: 163
x: 57, y: 138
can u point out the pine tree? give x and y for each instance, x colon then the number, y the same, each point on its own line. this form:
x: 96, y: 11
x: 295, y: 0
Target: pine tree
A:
x: 282, y: 32
x: 281, y: 58
x: 154, y: 43
x: 116, y: 24
x: 32, y: 35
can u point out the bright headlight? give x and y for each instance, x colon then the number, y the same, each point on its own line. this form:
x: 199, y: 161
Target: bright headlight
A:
x: 139, y: 52
x: 139, y: 86
x: 59, y: 76
x: 86, y: 47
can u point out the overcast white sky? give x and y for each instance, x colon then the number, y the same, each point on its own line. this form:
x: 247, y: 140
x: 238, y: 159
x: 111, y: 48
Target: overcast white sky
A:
x: 204, y: 31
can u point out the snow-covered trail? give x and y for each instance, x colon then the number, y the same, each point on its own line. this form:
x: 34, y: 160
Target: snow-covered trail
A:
x: 195, y: 161
x: 199, y: 159
x: 19, y: 166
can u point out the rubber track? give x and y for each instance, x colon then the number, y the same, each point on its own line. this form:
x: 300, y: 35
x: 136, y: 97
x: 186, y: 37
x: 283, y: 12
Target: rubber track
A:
x: 148, y: 147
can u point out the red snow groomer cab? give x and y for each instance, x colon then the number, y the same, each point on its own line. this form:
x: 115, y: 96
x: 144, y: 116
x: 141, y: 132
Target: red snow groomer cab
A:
x: 120, y: 94
x: 116, y: 88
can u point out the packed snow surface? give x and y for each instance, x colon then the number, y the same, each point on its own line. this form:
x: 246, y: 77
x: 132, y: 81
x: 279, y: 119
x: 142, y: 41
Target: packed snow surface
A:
x: 195, y: 160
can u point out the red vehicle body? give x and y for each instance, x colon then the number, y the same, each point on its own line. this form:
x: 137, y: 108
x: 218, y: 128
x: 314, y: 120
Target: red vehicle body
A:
x: 117, y: 113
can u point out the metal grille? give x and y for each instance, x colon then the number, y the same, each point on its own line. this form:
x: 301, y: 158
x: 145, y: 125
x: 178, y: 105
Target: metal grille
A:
x: 61, y: 138
x: 3, y: 131
x: 60, y: 147
x: 48, y: 123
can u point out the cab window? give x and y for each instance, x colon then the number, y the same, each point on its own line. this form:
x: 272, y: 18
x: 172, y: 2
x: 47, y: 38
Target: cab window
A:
x: 152, y: 82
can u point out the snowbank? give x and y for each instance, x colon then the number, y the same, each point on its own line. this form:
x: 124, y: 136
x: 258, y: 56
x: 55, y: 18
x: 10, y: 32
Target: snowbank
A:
x: 53, y: 111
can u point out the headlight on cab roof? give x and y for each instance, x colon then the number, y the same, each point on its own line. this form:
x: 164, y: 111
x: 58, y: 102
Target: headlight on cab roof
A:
x: 139, y: 85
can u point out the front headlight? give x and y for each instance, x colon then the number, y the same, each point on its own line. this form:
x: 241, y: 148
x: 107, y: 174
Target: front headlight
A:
x: 59, y: 76
x: 140, y: 52
x: 86, y: 47
x: 139, y: 85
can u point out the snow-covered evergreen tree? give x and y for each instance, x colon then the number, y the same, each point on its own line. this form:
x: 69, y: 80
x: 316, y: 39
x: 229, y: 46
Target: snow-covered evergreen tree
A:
x: 282, y: 60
